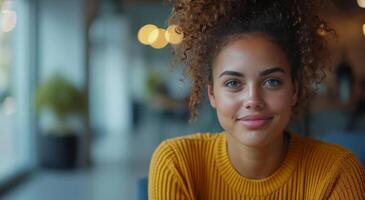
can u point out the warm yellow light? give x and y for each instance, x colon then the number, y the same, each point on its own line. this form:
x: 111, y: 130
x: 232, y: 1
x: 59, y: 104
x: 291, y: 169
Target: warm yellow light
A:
x: 157, y: 38
x: 173, y: 35
x: 144, y: 32
x: 8, y: 20
x: 363, y: 29
x: 361, y: 3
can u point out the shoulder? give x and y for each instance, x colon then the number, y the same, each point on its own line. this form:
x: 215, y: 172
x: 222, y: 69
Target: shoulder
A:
x: 318, y: 146
x: 172, y: 149
x: 320, y: 159
x: 325, y: 157
x: 333, y: 166
x: 340, y: 172
x: 178, y: 161
x: 324, y: 152
x: 197, y: 137
x: 331, y: 157
x: 171, y: 167
x: 330, y: 169
x: 191, y: 140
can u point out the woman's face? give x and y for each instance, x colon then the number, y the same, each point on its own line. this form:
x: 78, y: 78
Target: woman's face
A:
x: 252, y: 90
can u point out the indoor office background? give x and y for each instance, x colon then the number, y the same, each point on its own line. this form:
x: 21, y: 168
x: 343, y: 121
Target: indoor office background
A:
x: 83, y: 103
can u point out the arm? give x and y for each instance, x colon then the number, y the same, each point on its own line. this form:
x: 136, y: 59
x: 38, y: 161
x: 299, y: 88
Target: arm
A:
x: 165, y: 182
x: 350, y: 181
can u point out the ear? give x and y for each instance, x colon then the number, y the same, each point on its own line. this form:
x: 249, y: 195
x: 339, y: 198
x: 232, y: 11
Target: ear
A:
x: 211, y: 95
x: 295, y: 93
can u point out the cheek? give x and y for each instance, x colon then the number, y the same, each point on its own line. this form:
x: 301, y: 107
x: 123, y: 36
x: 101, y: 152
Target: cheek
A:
x: 227, y: 104
x: 280, y: 102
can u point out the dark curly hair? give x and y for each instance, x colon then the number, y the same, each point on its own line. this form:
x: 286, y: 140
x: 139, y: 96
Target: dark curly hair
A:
x: 208, y: 25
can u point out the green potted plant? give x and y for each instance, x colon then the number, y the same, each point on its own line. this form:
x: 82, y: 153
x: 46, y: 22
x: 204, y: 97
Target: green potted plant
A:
x: 62, y: 101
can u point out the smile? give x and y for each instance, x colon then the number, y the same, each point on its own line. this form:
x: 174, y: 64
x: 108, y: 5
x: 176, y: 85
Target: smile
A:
x: 255, y: 121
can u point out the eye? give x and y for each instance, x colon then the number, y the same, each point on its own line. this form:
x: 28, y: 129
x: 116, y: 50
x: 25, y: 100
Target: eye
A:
x: 272, y: 83
x: 233, y: 84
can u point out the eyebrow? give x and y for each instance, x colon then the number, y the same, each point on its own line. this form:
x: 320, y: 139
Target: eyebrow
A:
x: 262, y: 73
x: 272, y: 70
x: 231, y: 73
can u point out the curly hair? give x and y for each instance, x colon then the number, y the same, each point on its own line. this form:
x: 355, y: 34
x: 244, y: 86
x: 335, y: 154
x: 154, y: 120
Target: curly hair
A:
x: 209, y: 25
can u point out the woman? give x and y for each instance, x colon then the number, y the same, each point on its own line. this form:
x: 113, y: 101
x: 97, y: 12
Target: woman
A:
x: 258, y: 60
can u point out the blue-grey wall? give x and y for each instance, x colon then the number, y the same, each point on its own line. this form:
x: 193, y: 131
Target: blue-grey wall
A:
x: 61, y: 39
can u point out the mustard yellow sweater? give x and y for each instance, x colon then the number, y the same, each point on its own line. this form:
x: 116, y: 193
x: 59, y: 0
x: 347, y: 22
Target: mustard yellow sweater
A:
x: 198, y: 167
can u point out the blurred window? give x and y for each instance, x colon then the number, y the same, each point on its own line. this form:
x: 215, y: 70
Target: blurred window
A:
x: 14, y: 141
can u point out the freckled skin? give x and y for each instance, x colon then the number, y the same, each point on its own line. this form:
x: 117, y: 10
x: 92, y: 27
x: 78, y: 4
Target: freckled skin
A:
x: 253, y: 94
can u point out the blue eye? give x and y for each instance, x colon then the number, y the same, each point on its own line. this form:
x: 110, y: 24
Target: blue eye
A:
x: 232, y: 84
x: 272, y: 83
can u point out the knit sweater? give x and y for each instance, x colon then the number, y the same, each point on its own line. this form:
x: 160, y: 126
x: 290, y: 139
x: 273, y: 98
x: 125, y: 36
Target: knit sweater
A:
x: 198, y: 167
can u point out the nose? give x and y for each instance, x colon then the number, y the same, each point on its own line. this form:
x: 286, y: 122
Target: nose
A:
x: 253, y: 100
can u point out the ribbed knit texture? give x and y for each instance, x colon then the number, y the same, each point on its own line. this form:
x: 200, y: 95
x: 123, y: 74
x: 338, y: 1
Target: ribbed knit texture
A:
x: 198, y: 167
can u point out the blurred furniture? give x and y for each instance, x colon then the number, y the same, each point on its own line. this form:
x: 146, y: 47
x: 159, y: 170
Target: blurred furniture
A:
x: 142, y: 188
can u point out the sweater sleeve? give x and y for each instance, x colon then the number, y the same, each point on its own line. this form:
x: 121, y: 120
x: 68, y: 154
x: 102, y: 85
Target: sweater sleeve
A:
x: 164, y: 181
x: 350, y: 180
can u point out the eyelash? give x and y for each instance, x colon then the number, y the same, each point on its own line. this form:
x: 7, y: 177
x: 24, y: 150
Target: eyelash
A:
x: 228, y: 83
x: 278, y: 83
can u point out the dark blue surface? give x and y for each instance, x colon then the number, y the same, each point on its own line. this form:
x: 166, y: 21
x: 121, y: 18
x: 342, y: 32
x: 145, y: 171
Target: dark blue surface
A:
x: 142, y: 189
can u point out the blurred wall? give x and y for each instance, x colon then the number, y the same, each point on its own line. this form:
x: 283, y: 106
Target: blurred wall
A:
x: 61, y: 39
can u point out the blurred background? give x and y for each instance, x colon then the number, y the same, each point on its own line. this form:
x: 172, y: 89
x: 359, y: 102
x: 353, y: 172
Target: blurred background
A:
x: 87, y: 92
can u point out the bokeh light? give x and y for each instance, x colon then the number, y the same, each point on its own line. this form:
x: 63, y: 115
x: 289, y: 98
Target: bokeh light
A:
x: 144, y: 33
x: 157, y: 38
x: 9, y: 106
x: 173, y: 35
x: 8, y: 20
x: 361, y: 3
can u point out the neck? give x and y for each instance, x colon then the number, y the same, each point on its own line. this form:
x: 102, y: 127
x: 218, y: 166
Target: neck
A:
x: 257, y: 162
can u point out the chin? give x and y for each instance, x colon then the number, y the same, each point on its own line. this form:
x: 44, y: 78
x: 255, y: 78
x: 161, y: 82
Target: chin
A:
x: 255, y: 137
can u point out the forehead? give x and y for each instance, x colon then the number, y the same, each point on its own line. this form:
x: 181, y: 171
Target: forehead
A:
x: 250, y: 52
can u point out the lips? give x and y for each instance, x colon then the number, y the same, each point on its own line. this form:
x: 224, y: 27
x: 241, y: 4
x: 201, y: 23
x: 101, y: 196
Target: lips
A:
x: 255, y: 121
